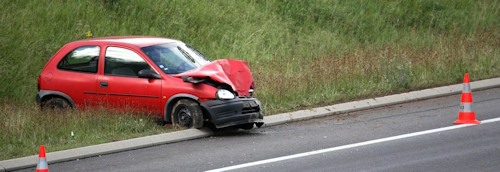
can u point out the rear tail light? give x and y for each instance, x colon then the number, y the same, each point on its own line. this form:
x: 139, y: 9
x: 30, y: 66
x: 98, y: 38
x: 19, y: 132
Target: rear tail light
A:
x: 39, y: 83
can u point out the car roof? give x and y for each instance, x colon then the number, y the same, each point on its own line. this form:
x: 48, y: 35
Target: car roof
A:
x: 139, y: 41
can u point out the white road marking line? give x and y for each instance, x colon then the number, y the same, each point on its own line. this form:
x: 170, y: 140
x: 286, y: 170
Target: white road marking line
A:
x: 490, y: 120
x: 351, y: 146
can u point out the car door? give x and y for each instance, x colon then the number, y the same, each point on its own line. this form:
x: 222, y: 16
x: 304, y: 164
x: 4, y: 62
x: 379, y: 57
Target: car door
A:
x: 120, y: 86
x: 77, y: 75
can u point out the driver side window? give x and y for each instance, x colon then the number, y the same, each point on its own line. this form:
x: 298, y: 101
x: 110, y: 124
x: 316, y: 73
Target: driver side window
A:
x: 123, y: 62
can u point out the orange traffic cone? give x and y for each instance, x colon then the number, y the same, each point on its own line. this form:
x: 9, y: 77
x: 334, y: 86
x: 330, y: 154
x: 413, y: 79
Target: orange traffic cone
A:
x: 466, y: 115
x: 42, y: 161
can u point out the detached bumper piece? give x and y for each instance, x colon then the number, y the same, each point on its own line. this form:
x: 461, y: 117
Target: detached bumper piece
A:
x: 225, y: 113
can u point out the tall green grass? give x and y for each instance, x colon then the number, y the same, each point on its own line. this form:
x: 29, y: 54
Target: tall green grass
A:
x: 302, y: 53
x: 293, y: 34
x: 25, y: 128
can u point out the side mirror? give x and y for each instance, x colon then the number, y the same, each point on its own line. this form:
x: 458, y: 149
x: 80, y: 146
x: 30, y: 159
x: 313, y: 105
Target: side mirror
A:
x: 149, y: 73
x: 192, y: 80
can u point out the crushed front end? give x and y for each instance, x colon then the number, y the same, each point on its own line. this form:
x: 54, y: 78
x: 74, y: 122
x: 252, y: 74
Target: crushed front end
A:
x: 234, y: 104
x: 237, y: 111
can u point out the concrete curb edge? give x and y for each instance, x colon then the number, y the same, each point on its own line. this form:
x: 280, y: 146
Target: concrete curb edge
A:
x: 378, y: 102
x: 106, y: 148
x: 147, y: 141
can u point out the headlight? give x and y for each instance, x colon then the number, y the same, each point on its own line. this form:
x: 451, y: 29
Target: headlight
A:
x: 224, y: 94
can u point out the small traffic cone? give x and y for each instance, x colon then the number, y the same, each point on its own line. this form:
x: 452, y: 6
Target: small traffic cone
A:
x: 466, y: 115
x: 42, y: 161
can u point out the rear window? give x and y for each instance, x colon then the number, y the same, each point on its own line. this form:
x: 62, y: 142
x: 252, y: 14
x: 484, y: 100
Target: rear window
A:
x: 81, y: 59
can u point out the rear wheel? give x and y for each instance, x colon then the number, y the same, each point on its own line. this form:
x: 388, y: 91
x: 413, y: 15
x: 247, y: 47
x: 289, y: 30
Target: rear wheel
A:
x: 55, y: 103
x: 187, y: 113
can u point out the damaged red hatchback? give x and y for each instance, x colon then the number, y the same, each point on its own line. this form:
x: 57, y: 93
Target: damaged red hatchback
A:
x: 157, y: 75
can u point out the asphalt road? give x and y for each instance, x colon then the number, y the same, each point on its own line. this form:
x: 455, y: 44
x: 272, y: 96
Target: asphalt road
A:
x: 473, y: 148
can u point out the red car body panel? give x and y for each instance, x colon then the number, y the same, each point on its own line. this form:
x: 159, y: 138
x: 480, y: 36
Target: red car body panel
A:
x: 74, y: 84
x: 137, y: 94
x: 235, y: 73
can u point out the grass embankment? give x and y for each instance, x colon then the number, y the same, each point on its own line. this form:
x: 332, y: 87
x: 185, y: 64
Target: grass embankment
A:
x: 302, y: 54
x: 24, y: 128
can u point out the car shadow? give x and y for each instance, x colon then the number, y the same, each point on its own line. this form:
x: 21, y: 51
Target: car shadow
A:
x: 219, y: 132
x: 237, y: 132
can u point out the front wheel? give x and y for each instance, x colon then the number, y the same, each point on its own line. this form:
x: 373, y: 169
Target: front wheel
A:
x: 187, y: 113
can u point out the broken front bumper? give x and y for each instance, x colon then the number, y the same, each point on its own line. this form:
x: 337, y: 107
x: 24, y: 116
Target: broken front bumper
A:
x: 225, y: 113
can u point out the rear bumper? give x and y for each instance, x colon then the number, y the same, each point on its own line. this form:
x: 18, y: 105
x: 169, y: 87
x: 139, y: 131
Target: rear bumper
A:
x: 225, y: 113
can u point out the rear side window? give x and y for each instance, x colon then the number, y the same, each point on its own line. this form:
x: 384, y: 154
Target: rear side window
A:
x: 123, y: 62
x: 81, y: 59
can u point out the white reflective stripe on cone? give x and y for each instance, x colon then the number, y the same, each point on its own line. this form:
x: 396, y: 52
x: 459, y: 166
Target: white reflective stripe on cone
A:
x: 42, y: 164
x: 466, y: 88
x: 465, y: 107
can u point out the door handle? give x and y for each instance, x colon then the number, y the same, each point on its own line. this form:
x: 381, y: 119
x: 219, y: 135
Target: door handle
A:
x: 103, y: 84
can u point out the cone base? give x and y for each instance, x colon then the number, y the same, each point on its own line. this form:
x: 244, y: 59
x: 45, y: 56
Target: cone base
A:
x: 466, y: 122
x: 466, y: 118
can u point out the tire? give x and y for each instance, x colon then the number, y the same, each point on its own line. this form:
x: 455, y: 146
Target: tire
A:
x: 56, y: 103
x: 187, y: 113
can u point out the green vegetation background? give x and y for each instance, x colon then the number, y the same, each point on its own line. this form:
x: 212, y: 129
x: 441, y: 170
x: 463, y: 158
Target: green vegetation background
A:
x: 302, y: 53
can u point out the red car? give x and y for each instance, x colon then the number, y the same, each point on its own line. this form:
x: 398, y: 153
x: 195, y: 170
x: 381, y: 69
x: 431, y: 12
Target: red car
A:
x: 157, y: 75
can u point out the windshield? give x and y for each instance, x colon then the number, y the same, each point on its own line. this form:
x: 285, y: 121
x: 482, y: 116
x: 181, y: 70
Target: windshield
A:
x: 175, y: 58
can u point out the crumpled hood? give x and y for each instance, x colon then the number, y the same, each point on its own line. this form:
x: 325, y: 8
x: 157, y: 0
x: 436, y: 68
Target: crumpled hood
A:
x: 234, y: 73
